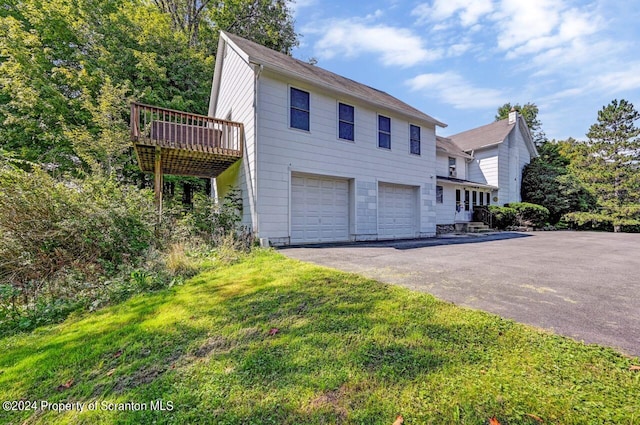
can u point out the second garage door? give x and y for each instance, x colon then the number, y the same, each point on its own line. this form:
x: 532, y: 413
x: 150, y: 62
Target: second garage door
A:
x: 397, y: 217
x: 319, y: 209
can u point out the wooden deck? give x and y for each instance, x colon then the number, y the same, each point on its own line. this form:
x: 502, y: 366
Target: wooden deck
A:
x: 183, y: 144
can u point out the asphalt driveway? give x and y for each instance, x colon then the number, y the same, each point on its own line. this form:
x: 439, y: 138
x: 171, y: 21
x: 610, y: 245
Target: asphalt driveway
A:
x: 584, y: 285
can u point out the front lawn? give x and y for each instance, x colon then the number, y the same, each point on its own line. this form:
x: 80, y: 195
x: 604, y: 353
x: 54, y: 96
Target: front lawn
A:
x: 275, y: 341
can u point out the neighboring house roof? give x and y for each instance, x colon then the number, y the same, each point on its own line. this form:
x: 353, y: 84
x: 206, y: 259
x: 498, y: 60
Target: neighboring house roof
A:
x: 289, y: 66
x: 446, y: 145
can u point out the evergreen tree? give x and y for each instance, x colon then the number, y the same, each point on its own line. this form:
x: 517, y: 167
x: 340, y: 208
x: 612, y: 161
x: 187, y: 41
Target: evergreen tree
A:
x: 608, y: 164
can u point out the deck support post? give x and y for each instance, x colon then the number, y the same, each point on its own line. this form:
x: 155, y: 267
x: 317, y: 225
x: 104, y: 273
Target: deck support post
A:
x: 157, y: 186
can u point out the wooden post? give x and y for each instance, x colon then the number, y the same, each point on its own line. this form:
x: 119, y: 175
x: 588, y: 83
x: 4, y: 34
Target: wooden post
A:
x: 158, y: 183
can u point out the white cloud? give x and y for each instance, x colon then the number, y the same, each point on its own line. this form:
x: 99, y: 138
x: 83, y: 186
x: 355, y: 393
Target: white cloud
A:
x: 625, y: 79
x: 540, y: 29
x: 468, y: 12
x: 452, y: 88
x: 352, y: 37
x: 542, y: 26
x: 459, y: 49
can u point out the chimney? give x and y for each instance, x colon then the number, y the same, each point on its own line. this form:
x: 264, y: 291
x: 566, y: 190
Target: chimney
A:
x: 513, y: 115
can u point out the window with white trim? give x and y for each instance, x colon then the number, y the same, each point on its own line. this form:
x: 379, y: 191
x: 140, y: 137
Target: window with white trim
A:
x: 452, y: 167
x: 346, y: 121
x: 299, y: 109
x: 384, y: 132
x: 414, y: 139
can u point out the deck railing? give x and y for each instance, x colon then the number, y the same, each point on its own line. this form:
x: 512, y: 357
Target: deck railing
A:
x: 169, y: 128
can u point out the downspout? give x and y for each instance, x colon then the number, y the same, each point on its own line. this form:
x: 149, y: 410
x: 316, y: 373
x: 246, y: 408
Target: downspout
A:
x: 257, y: 71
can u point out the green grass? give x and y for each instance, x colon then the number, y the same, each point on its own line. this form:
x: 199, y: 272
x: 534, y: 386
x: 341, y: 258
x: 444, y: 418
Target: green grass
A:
x: 347, y: 350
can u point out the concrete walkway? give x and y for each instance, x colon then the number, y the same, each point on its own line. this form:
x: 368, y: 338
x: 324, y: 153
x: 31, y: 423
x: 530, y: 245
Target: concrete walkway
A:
x: 584, y: 285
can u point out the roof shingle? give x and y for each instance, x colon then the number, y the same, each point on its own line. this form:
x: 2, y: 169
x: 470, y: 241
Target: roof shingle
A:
x: 285, y: 64
x: 487, y: 135
x: 446, y: 145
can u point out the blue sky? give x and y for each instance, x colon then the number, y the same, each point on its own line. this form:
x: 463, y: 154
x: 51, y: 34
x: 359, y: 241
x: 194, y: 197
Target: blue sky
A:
x: 459, y: 60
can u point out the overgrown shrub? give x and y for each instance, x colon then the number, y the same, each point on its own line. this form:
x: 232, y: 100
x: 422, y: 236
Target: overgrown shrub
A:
x: 59, y: 238
x: 71, y: 244
x: 214, y: 224
x: 502, y: 217
x: 530, y: 215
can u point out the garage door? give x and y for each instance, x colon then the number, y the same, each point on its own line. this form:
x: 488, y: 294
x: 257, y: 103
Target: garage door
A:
x: 319, y: 209
x: 396, y: 211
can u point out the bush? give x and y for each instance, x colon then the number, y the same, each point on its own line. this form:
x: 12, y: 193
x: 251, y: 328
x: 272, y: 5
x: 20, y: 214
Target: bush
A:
x: 67, y: 245
x: 58, y: 239
x: 502, y: 217
x: 530, y: 215
x: 601, y: 221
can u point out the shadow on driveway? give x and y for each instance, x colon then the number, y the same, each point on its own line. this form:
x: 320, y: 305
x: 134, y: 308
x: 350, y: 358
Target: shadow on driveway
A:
x: 583, y: 285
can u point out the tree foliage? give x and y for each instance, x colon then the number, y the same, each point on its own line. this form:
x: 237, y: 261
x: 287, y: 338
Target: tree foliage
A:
x: 59, y: 60
x: 267, y: 22
x: 529, y: 112
x: 608, y: 163
x: 546, y: 181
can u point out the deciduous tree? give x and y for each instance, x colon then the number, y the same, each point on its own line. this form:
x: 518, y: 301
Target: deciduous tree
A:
x: 547, y: 182
x: 529, y: 112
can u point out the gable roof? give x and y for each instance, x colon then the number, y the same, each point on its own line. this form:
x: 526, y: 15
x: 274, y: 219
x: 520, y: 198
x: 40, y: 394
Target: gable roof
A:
x: 446, y: 145
x: 297, y: 69
x: 485, y: 136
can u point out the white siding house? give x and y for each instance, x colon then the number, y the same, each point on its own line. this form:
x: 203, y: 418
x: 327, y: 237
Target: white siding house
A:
x: 457, y: 192
x: 326, y: 159
x: 500, y: 151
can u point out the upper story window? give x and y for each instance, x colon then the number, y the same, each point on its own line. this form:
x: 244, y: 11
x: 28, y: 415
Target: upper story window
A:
x: 346, y: 121
x: 299, y: 114
x: 384, y: 132
x: 414, y: 139
x: 452, y: 167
